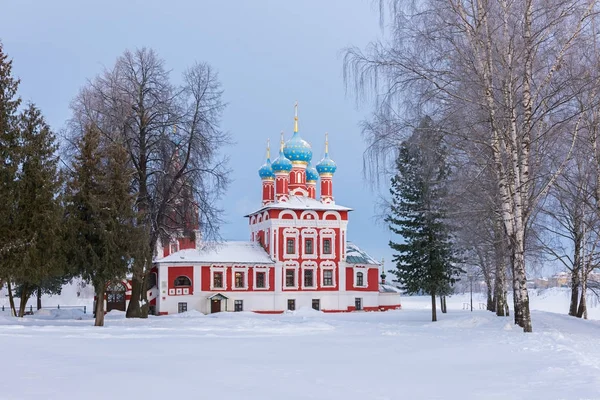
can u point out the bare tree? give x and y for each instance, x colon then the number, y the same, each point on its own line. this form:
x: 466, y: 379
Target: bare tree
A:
x: 172, y: 135
x: 506, y: 73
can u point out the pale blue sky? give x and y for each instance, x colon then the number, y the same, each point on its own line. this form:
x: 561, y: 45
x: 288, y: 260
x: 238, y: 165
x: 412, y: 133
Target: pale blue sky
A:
x: 269, y: 53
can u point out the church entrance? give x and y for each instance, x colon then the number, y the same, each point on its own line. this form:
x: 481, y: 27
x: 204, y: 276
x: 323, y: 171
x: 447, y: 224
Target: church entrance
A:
x: 115, y: 296
x: 215, y: 306
x: 218, y: 303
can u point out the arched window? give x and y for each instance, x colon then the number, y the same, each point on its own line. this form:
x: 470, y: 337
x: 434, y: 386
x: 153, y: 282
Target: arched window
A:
x: 360, y: 280
x: 182, y: 281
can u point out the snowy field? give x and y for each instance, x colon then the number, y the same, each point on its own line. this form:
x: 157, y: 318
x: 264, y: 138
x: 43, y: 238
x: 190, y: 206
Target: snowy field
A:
x: 305, y: 355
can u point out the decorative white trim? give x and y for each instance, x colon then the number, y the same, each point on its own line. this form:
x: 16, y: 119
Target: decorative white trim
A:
x: 365, y: 273
x: 244, y: 271
x: 291, y: 233
x: 223, y: 270
x: 336, y: 214
x: 327, y: 234
x: 264, y: 269
x: 287, y: 212
x: 328, y: 266
x: 309, y: 266
x: 290, y: 265
x: 309, y: 215
x: 310, y: 234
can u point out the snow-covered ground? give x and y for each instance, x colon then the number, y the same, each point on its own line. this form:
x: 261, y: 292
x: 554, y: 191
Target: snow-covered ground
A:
x: 304, y: 355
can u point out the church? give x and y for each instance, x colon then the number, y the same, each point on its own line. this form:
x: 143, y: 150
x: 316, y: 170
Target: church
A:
x: 298, y: 254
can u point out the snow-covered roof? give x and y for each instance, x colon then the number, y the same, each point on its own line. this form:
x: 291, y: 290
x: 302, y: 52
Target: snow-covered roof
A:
x: 225, y: 252
x: 354, y: 255
x: 301, y: 203
x: 383, y: 288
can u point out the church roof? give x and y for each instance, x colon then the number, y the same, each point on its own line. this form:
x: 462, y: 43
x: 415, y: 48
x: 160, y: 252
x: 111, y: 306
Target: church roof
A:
x: 354, y: 255
x: 225, y: 252
x: 301, y: 203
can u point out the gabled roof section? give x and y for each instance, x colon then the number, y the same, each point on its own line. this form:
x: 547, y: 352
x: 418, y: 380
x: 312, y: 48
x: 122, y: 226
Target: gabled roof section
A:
x: 354, y: 255
x: 226, y: 252
x: 300, y: 203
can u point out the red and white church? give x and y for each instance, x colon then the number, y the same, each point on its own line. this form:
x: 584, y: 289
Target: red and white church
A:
x: 298, y: 254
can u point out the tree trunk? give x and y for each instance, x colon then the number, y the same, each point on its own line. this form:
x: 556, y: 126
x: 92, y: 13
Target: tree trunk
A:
x: 99, y: 311
x: 23, y: 300
x: 133, y: 309
x: 500, y: 280
x: 11, y: 300
x: 433, y: 310
x: 582, y: 310
x: 39, y: 297
x: 523, y: 319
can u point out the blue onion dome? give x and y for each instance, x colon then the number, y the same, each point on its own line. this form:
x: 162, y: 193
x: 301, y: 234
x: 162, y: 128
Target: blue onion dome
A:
x: 266, y: 171
x: 311, y: 173
x: 297, y: 149
x: 281, y: 163
x: 326, y: 165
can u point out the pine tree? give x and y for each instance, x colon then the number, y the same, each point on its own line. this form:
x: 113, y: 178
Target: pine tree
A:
x: 101, y: 214
x: 38, y: 207
x: 425, y: 259
x: 9, y: 159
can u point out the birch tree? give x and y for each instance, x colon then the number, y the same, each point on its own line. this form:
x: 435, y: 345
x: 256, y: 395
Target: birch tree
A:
x: 506, y: 73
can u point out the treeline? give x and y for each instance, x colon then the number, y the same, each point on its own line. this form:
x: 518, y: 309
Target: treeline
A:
x: 512, y: 92
x: 134, y: 143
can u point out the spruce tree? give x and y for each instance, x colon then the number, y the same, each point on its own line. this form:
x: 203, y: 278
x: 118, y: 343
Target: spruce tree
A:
x: 424, y: 258
x: 38, y: 207
x: 9, y: 159
x: 101, y: 214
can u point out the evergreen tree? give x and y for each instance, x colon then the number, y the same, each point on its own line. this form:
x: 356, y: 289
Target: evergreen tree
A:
x: 9, y: 159
x: 424, y: 260
x: 101, y: 214
x: 38, y: 209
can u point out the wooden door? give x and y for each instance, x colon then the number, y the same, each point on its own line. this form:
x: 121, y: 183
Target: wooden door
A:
x: 215, y: 306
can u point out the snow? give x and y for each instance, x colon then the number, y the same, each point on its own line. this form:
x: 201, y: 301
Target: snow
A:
x: 226, y: 252
x: 308, y: 354
x: 301, y: 203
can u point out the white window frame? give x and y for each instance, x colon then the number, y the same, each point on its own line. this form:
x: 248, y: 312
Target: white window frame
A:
x: 328, y: 266
x: 310, y: 265
x: 264, y: 270
x: 218, y: 268
x: 365, y: 272
x: 296, y: 267
x: 174, y: 246
x: 244, y: 271
x: 310, y: 234
x: 291, y: 233
x: 327, y: 234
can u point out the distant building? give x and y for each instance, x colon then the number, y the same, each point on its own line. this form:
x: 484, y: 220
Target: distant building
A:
x: 298, y: 254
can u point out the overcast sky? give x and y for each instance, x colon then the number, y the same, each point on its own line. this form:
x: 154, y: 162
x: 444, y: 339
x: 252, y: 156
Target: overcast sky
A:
x: 269, y: 53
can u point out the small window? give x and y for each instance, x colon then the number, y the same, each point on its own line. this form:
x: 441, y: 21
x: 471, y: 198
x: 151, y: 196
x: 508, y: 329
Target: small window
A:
x: 291, y: 246
x: 358, y: 303
x: 316, y: 304
x: 309, y: 278
x: 174, y: 247
x: 327, y: 277
x: 290, y: 278
x: 308, y: 246
x: 326, y: 246
x: 183, y: 281
x: 291, y: 304
x: 238, y: 305
x: 261, y: 280
x: 218, y: 280
x: 239, y: 280
x: 360, y: 279
x: 181, y: 307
